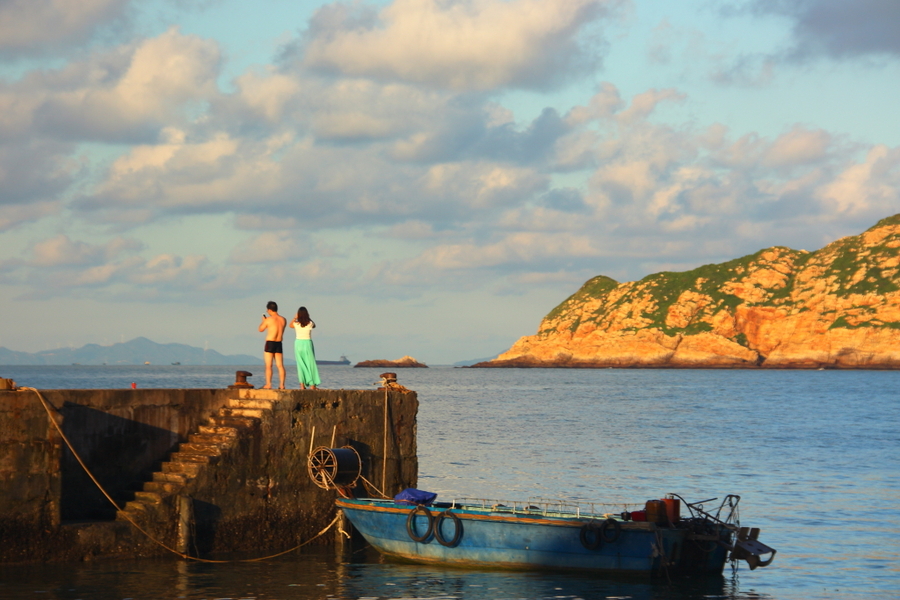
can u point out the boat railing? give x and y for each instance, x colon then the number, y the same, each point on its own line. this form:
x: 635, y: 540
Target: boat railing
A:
x: 726, y: 513
x: 548, y: 507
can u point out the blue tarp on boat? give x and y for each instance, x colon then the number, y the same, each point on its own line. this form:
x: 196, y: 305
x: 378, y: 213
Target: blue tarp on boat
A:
x: 414, y: 496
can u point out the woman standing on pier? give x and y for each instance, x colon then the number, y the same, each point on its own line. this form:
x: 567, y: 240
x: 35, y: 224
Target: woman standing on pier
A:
x: 305, y: 353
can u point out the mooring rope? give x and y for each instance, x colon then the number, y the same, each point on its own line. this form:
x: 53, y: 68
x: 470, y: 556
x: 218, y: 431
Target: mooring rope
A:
x: 128, y: 518
x: 369, y: 484
x: 385, y: 441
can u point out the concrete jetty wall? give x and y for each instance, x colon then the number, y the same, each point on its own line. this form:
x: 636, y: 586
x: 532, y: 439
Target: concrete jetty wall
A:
x: 240, y: 484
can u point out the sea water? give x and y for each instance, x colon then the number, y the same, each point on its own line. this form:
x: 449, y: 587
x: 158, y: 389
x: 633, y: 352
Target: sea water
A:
x: 814, y: 455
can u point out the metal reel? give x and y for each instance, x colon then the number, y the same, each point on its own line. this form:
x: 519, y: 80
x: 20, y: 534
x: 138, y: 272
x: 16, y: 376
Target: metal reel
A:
x: 331, y: 468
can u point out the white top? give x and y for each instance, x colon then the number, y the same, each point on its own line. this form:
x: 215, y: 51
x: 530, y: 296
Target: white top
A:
x: 303, y: 333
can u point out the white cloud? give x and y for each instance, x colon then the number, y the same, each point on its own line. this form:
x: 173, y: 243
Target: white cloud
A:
x: 127, y: 93
x: 865, y: 31
x: 272, y: 246
x: 461, y: 45
x: 14, y: 215
x: 472, y: 265
x: 870, y: 188
x: 643, y: 105
x: 218, y: 174
x: 466, y: 195
x: 480, y: 185
x: 799, y: 146
x: 169, y: 268
x: 837, y: 28
x: 35, y: 171
x: 62, y: 251
x: 602, y: 105
x: 268, y: 94
x: 39, y: 26
x: 100, y: 275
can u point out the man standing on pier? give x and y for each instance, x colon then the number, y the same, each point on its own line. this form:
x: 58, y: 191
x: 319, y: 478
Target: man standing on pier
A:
x: 273, y: 324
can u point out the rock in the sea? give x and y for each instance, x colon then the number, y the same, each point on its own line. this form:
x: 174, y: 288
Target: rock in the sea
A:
x: 838, y: 307
x: 405, y: 362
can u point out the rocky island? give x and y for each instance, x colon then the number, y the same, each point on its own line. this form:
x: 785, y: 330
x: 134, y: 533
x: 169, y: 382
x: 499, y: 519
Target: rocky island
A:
x: 838, y: 307
x: 405, y: 362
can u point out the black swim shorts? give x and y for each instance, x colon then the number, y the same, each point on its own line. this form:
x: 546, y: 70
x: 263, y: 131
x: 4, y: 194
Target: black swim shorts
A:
x: 274, y: 347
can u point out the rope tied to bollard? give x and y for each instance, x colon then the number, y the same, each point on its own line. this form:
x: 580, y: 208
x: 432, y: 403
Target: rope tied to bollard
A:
x: 50, y: 415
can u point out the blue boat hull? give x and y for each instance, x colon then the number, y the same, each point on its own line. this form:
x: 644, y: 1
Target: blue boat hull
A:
x: 520, y: 540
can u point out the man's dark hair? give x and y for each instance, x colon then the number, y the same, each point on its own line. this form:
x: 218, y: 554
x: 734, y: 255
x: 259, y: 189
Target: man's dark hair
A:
x: 272, y: 306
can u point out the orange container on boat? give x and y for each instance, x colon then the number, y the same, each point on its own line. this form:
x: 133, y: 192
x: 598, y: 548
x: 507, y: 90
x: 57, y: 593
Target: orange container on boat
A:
x: 656, y: 512
x: 673, y: 509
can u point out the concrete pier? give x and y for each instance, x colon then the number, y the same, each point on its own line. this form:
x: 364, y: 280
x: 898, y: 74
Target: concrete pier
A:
x: 199, y: 471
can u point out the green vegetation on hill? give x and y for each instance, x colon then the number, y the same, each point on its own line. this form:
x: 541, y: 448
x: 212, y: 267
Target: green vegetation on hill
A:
x: 862, y: 266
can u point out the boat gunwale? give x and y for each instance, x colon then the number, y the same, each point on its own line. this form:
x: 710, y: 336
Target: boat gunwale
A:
x: 475, y: 513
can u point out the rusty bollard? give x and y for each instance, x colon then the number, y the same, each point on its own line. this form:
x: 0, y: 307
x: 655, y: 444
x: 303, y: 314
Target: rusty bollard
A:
x: 389, y: 382
x: 240, y: 381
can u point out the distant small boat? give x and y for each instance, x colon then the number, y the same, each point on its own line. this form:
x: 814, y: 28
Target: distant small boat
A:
x: 176, y: 363
x: 146, y: 362
x: 344, y: 361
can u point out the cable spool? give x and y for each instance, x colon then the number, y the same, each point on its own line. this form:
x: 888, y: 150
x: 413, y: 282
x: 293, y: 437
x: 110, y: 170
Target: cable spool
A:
x: 331, y: 468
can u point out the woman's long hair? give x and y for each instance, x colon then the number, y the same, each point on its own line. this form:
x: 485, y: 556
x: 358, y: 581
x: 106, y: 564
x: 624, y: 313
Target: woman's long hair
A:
x: 303, y: 316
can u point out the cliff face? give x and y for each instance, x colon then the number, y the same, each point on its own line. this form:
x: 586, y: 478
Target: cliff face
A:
x: 838, y: 307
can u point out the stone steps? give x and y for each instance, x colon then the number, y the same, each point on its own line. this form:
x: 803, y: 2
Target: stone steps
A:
x: 203, y: 449
x: 221, y: 431
x: 163, y: 488
x: 147, y: 497
x: 190, y: 457
x: 235, y: 422
x: 191, y: 469
x: 253, y: 413
x: 251, y: 403
x: 172, y: 477
x: 210, y: 438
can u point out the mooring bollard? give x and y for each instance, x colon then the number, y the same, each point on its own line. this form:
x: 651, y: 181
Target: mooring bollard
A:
x: 240, y: 381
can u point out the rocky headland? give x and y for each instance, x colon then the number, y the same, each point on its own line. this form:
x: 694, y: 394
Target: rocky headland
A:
x: 838, y: 307
x: 405, y: 362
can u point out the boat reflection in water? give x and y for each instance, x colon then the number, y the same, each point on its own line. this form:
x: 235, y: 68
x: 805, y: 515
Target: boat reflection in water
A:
x: 318, y: 573
x: 365, y: 573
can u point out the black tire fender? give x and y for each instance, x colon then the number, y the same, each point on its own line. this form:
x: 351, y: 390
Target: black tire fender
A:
x: 458, y: 531
x: 590, y: 535
x: 411, y: 523
x: 610, y: 530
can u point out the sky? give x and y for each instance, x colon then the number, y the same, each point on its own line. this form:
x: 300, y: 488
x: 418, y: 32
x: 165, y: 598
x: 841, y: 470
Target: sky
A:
x: 428, y: 177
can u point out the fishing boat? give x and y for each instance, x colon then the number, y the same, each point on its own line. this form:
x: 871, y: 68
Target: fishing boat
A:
x: 550, y: 535
x: 656, y: 540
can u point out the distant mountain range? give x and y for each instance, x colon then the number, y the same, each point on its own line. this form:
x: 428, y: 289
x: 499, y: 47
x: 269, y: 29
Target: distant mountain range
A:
x: 135, y: 352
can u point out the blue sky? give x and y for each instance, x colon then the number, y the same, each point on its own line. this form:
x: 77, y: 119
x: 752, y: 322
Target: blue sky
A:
x: 428, y: 177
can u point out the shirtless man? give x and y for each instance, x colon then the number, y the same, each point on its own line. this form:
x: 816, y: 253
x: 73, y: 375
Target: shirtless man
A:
x: 273, y: 324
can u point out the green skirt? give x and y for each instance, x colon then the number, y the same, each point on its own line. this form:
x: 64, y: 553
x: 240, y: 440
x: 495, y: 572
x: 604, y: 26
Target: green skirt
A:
x: 307, y: 371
